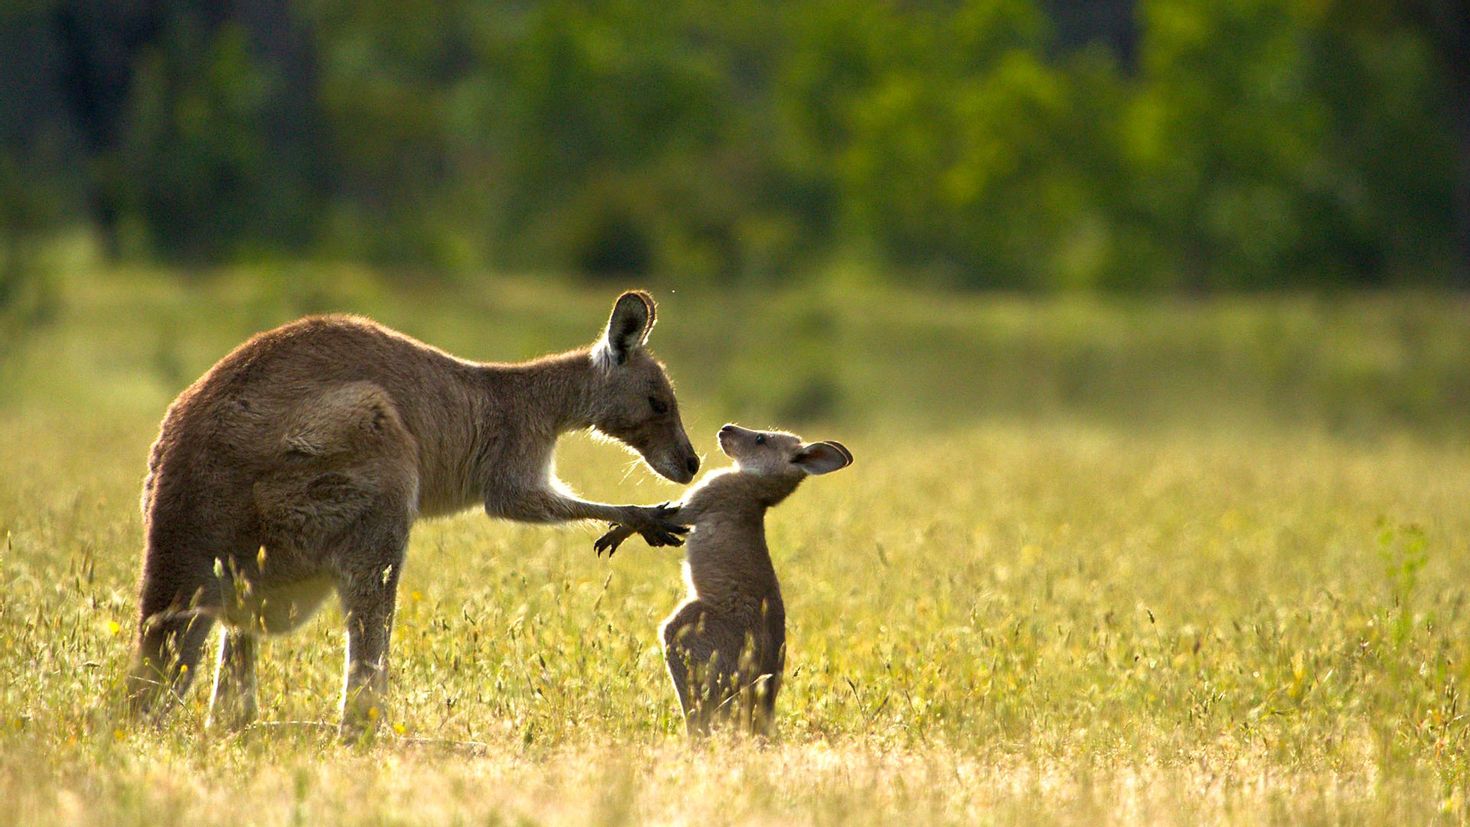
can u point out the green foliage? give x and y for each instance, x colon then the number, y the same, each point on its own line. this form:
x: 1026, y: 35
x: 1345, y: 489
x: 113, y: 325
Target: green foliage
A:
x: 27, y: 295
x: 195, y: 162
x: 1255, y: 143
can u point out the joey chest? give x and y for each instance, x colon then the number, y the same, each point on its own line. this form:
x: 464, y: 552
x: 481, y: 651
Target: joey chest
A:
x: 728, y: 565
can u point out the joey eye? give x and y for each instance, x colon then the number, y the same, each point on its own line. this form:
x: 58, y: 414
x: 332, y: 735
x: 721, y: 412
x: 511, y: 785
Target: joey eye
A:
x: 760, y: 439
x: 659, y: 406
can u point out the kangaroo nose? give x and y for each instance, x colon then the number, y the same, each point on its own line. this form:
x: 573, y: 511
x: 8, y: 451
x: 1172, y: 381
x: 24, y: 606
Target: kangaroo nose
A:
x: 728, y: 429
x: 692, y: 464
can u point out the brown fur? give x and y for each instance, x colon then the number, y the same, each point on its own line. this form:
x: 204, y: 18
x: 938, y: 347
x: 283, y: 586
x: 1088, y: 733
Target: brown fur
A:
x: 725, y: 646
x: 296, y: 466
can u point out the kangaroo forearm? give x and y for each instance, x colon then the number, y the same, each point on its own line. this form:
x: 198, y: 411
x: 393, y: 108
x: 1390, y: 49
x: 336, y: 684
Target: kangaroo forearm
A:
x: 550, y: 507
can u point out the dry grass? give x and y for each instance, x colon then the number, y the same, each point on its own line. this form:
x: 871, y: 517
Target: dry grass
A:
x: 1195, y: 613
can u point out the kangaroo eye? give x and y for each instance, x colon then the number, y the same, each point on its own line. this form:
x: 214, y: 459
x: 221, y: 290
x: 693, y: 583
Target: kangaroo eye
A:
x: 659, y: 406
x: 760, y: 439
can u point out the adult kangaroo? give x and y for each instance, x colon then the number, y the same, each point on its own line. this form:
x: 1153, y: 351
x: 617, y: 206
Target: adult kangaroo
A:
x: 297, y: 464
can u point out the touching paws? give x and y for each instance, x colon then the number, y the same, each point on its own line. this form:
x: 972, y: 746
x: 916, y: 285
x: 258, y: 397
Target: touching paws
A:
x: 653, y: 523
x: 610, y: 541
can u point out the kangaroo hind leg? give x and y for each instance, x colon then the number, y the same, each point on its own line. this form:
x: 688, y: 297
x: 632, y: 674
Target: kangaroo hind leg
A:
x: 702, y: 650
x: 178, y: 603
x: 166, y: 661
x: 368, y: 587
x: 232, y: 704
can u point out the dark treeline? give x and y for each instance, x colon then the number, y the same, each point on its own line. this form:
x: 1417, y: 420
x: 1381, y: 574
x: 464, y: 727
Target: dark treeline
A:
x: 1203, y: 144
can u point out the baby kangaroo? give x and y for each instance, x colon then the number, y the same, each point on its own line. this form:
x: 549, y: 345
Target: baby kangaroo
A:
x: 726, y: 645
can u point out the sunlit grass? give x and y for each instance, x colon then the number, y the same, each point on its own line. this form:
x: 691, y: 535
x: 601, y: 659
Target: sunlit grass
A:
x: 1202, y: 611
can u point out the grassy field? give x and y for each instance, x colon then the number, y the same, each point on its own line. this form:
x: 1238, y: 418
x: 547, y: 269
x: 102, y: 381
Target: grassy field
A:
x: 1098, y: 561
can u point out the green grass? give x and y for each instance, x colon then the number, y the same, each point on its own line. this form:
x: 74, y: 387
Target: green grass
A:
x: 1097, y: 562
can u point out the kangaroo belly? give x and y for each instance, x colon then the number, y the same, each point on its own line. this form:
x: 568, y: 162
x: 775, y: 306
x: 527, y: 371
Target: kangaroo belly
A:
x: 278, y: 607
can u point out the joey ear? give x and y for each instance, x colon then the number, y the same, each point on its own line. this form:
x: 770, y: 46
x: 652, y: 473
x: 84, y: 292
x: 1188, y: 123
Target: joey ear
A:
x: 823, y: 457
x: 632, y: 318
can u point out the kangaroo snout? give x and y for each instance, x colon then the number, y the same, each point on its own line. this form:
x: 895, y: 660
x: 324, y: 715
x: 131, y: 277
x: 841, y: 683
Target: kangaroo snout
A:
x: 689, y: 461
x: 679, y: 465
x: 735, y: 440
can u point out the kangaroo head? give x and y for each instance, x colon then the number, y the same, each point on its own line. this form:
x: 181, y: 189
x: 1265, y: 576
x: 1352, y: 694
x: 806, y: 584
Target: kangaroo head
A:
x: 777, y: 453
x: 634, y: 401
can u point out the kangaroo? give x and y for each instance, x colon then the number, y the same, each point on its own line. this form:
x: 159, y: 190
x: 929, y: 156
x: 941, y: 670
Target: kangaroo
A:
x: 726, y: 644
x: 296, y: 466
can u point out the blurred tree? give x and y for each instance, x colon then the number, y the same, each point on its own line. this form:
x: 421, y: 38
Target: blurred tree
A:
x: 194, y: 121
x: 99, y: 45
x: 26, y: 297
x: 36, y: 144
x: 1446, y: 25
x: 1258, y: 159
x: 1392, y: 151
x: 393, y: 79
x: 1028, y: 143
x: 1078, y: 24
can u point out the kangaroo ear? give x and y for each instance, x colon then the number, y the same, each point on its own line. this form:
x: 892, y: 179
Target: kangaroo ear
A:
x: 823, y: 457
x: 632, y: 318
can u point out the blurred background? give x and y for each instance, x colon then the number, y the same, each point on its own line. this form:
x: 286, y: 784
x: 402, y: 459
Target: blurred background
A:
x: 928, y: 211
x: 1035, y: 144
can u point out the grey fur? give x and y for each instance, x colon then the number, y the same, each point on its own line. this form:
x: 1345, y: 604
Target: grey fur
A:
x: 725, y: 646
x: 296, y: 466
